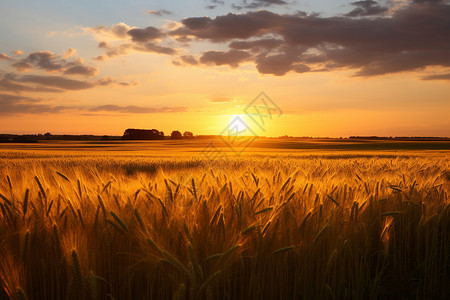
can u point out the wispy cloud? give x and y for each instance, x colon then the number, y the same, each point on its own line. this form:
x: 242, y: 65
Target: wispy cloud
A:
x: 137, y: 109
x: 53, y: 84
x: 367, y: 8
x: 58, y: 82
x: 12, y: 104
x: 51, y: 62
x: 222, y: 100
x: 437, y: 77
x: 159, y: 12
x: 16, y: 104
x: 256, y: 4
x: 4, y: 56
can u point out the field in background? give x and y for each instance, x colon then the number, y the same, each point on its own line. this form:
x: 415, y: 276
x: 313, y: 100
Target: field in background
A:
x: 286, y: 220
x: 197, y: 145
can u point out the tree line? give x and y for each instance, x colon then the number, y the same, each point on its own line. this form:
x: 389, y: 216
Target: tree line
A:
x: 153, y: 134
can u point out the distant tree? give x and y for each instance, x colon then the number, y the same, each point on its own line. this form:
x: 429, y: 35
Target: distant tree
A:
x: 188, y: 134
x: 176, y: 135
x: 143, y: 134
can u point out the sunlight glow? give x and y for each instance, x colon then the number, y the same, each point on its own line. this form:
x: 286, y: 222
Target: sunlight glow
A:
x: 237, y: 124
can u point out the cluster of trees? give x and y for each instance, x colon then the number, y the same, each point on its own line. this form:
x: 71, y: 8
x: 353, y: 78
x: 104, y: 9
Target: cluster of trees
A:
x: 153, y: 134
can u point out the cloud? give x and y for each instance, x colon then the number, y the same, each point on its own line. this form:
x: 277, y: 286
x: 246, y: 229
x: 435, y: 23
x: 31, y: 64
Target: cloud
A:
x: 45, y: 60
x: 228, y: 27
x: 138, y: 39
x: 81, y: 70
x: 186, y: 60
x: 214, y: 4
x: 22, y: 66
x: 155, y: 48
x: 367, y: 8
x: 437, y: 77
x: 14, y: 104
x: 14, y: 83
x: 411, y: 38
x: 50, y: 62
x: 160, y: 12
x: 269, y: 43
x: 113, y: 50
x: 258, y: 4
x: 4, y: 56
x: 57, y: 82
x: 232, y: 58
x: 189, y: 59
x: 8, y: 84
x: 144, y: 35
x: 222, y: 100
x: 122, y: 49
x: 278, y: 64
x: 114, y: 32
x: 69, y: 52
x: 428, y: 1
x: 108, y: 81
x: 18, y: 52
x: 137, y: 109
x: 11, y: 104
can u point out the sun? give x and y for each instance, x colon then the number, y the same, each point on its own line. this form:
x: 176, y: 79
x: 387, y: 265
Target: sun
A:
x: 237, y: 123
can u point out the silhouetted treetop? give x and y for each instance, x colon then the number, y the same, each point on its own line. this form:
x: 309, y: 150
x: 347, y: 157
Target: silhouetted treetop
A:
x: 143, y: 134
x: 188, y: 134
x: 176, y: 135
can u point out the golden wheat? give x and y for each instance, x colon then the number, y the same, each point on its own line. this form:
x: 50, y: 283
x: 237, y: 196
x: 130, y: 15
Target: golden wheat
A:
x: 256, y: 227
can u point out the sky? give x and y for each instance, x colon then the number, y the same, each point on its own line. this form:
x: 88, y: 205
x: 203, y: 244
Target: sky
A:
x: 330, y: 68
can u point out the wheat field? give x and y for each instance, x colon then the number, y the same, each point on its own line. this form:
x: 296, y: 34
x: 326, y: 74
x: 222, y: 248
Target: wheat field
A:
x: 322, y: 226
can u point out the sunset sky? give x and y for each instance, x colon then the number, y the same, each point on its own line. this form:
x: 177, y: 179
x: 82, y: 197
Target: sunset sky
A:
x: 335, y: 68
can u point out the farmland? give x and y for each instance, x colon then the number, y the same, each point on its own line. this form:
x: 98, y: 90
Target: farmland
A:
x: 321, y: 219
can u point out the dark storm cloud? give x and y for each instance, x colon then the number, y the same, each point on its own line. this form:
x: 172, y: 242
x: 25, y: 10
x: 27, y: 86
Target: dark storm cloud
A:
x: 412, y: 38
x: 367, y: 8
x: 50, y: 62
